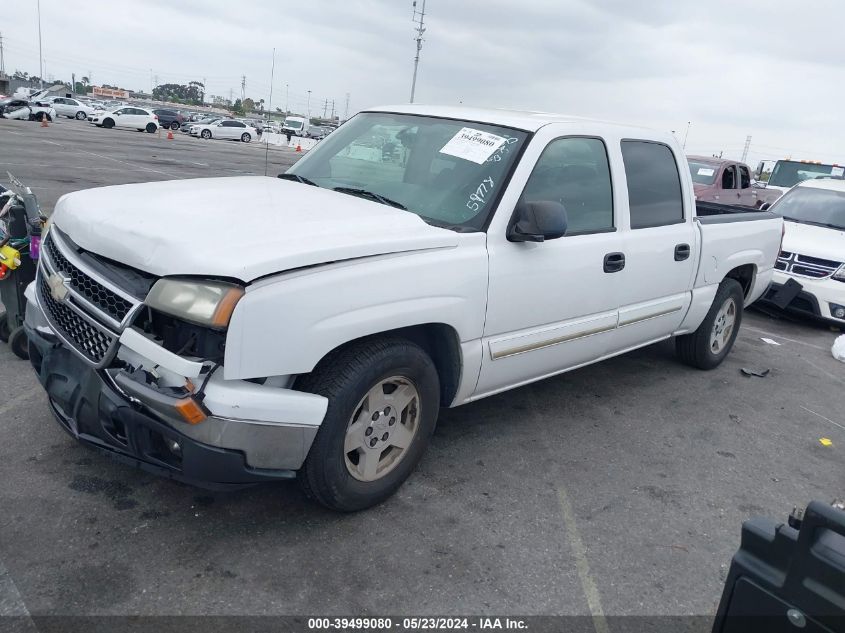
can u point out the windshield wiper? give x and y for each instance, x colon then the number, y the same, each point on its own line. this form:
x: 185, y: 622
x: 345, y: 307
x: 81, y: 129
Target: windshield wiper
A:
x: 371, y: 195
x: 298, y: 178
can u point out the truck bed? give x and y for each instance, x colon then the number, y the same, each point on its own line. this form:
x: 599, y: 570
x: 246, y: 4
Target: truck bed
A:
x: 715, y: 213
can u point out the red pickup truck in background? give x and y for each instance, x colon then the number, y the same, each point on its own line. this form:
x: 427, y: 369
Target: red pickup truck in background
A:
x: 727, y: 182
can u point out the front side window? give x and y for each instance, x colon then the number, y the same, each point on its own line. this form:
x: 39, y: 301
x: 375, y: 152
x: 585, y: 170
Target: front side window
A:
x: 575, y: 173
x: 447, y: 171
x: 654, y: 184
x: 729, y: 178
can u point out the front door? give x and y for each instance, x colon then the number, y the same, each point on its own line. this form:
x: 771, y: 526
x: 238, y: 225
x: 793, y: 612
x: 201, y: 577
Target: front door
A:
x: 553, y: 305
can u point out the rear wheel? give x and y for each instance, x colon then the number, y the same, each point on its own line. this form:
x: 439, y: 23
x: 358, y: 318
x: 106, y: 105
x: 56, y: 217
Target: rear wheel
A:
x: 151, y: 127
x: 245, y: 137
x: 81, y: 116
x: 384, y: 397
x: 108, y: 124
x: 708, y: 346
x: 206, y: 134
x: 174, y: 126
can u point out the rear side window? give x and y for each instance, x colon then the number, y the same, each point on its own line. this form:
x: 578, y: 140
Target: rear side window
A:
x: 654, y: 184
x: 744, y: 177
x: 575, y: 172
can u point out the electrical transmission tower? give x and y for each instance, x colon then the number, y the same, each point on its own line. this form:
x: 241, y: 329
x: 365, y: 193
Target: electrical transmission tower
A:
x: 419, y: 20
x: 745, y: 149
x: 243, y: 88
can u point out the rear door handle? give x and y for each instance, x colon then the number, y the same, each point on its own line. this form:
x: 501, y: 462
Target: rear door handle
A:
x: 682, y: 252
x: 614, y: 262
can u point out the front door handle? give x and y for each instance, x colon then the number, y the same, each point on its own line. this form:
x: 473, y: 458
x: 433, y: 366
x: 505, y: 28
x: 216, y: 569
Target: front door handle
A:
x: 682, y: 252
x: 614, y: 262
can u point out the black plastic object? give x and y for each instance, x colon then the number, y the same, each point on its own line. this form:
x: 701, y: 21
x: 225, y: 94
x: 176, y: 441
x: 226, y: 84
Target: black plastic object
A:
x: 787, y: 580
x: 13, y: 286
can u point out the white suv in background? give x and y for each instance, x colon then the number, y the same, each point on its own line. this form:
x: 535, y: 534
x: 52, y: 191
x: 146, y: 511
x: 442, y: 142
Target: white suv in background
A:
x: 810, y: 271
x: 72, y: 108
x: 127, y: 117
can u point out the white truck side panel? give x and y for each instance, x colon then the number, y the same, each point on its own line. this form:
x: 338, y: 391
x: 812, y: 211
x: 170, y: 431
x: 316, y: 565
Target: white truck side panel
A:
x: 285, y: 324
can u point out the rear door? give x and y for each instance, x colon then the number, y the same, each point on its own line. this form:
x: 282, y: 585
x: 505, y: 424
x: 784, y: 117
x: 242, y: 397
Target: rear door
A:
x: 730, y: 185
x: 659, y: 243
x: 62, y: 107
x: 747, y: 193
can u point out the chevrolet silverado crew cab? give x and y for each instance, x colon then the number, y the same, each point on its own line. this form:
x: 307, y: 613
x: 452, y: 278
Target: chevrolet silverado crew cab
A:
x: 366, y: 289
x: 809, y: 275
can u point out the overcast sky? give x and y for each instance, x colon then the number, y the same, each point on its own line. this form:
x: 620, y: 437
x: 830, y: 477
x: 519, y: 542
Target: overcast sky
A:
x: 773, y: 70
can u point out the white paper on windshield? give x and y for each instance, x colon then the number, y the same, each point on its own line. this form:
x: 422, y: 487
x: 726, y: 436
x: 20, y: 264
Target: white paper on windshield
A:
x: 473, y: 145
x: 706, y: 171
x: 837, y: 172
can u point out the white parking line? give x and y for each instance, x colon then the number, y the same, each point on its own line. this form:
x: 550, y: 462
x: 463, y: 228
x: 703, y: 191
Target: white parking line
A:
x: 51, y: 142
x: 783, y: 338
x: 823, y: 418
x: 11, y: 602
x: 17, y: 133
x: 123, y: 162
x: 581, y: 563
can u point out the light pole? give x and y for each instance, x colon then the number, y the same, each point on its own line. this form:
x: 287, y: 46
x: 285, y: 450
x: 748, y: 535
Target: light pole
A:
x: 286, y: 100
x: 308, y: 105
x: 686, y: 135
x: 419, y: 38
x: 40, y: 58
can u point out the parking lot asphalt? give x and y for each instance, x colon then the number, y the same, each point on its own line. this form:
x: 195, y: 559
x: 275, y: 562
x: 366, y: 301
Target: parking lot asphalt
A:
x: 619, y: 487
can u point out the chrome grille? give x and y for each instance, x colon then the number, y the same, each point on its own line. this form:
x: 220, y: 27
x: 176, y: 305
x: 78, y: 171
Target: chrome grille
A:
x: 110, y: 302
x: 90, y: 318
x: 91, y: 342
x: 806, y: 266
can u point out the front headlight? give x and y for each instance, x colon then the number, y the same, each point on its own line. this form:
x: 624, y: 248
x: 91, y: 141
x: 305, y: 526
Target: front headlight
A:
x: 208, y: 303
x: 839, y: 275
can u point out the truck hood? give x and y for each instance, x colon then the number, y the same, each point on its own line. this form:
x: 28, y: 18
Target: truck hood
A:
x: 815, y: 241
x: 242, y: 227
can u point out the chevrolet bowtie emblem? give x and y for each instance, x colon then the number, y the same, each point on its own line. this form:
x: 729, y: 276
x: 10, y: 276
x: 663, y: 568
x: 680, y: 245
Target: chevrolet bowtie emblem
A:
x: 58, y: 285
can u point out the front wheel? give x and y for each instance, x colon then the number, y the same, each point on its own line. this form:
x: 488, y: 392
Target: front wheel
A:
x: 245, y: 137
x: 174, y: 126
x: 108, y: 124
x: 206, y: 134
x: 81, y: 116
x: 151, y: 128
x: 384, y: 397
x: 708, y: 346
x: 19, y: 343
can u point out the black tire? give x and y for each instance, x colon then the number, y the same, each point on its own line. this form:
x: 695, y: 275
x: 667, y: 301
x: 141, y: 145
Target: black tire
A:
x: 174, y: 126
x: 206, y: 134
x: 5, y: 330
x: 344, y: 377
x: 695, y: 349
x: 151, y: 128
x: 80, y: 116
x: 19, y: 343
x: 245, y: 137
x: 108, y: 124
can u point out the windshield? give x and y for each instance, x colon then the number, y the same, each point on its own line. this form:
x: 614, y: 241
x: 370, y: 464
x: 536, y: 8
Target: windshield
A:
x: 813, y: 206
x: 293, y: 124
x: 448, y: 172
x: 703, y: 173
x: 788, y: 173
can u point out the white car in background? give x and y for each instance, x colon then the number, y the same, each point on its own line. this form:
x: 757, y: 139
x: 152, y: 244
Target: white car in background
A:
x: 72, y: 108
x: 809, y: 276
x: 127, y: 117
x: 228, y: 129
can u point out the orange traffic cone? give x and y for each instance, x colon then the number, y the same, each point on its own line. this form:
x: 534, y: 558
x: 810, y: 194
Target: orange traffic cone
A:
x: 169, y: 135
x: 44, y: 121
x: 298, y: 147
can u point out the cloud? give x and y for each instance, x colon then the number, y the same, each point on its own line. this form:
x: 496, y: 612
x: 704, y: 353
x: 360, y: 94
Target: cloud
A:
x: 767, y: 69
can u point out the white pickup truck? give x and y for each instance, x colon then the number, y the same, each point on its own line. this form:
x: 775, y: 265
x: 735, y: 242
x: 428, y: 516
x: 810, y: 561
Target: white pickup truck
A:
x: 234, y: 330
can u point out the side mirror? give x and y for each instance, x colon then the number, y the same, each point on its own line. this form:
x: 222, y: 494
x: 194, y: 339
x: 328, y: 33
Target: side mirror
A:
x: 538, y: 221
x: 765, y: 206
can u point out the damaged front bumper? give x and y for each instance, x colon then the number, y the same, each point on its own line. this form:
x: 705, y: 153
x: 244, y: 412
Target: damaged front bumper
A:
x: 253, y: 432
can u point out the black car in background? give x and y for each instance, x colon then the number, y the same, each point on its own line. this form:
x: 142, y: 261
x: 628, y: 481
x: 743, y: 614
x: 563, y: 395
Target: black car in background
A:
x: 169, y: 118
